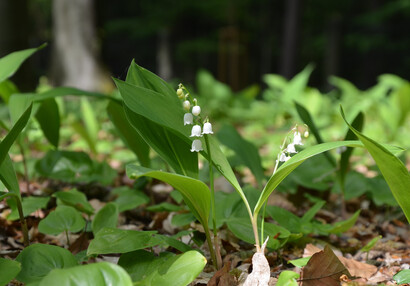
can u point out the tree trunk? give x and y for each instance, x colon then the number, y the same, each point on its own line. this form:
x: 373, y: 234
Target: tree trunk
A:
x: 164, y: 65
x: 290, y: 35
x: 76, y: 46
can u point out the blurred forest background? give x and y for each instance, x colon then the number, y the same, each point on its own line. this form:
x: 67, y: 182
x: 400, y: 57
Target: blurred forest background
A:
x: 238, y: 41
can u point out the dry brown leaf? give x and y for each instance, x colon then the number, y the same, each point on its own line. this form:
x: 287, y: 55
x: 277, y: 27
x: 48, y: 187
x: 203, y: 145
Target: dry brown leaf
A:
x: 214, y: 281
x: 356, y: 268
x: 323, y: 269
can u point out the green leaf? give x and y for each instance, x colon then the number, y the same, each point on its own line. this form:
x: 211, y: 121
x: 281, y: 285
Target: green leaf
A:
x: 89, y: 119
x: 242, y: 228
x: 175, y: 243
x: 30, y: 205
x: 288, y: 278
x: 245, y: 150
x: 38, y: 260
x: 128, y: 134
x: 285, y: 218
x: 8, y: 270
x: 300, y: 262
x: 308, y: 120
x: 393, y: 170
x: 286, y: 168
x: 107, y: 216
x: 371, y: 244
x: 164, y: 207
x: 402, y: 277
x: 8, y: 176
x: 343, y: 226
x: 75, y: 199
x: 14, y: 133
x: 10, y: 63
x: 7, y: 88
x: 63, y: 218
x: 344, y: 158
x: 111, y: 240
x: 101, y: 274
x: 182, y: 219
x: 48, y: 117
x: 196, y: 193
x: 168, y: 270
x: 170, y: 146
x: 128, y: 199
x: 310, y: 214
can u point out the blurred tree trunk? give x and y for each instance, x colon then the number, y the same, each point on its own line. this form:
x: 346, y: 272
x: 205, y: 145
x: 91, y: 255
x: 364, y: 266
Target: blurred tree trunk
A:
x: 164, y: 66
x: 76, y: 49
x: 332, y: 51
x: 290, y: 35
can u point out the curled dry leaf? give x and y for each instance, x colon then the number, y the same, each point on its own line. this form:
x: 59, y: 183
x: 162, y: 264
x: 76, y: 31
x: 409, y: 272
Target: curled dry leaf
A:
x: 260, y: 275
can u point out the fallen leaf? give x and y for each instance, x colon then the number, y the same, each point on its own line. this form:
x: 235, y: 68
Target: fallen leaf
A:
x: 214, y: 281
x: 355, y: 268
x: 323, y: 269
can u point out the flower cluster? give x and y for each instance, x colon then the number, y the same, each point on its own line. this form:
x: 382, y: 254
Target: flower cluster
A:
x: 285, y: 153
x: 193, y: 115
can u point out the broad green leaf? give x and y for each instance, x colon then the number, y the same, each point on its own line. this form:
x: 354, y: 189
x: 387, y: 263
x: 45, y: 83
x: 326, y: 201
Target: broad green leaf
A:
x: 164, y: 207
x: 402, y: 277
x: 242, y: 228
x: 285, y: 218
x: 288, y: 278
x: 30, y: 205
x: 245, y: 150
x: 9, y: 64
x: 76, y: 199
x: 82, y: 131
x: 393, y: 170
x: 182, y: 219
x: 63, y: 218
x: 74, y: 167
x: 101, y: 274
x: 128, y: 134
x: 175, y: 243
x: 107, y: 216
x: 300, y: 262
x: 38, y: 260
x: 111, y: 240
x: 128, y: 199
x: 8, y: 270
x: 196, y: 193
x: 170, y: 147
x: 49, y: 118
x: 286, y: 168
x: 167, y: 270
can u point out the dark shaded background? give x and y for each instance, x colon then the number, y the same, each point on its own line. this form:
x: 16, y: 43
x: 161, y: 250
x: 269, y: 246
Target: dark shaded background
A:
x: 237, y: 40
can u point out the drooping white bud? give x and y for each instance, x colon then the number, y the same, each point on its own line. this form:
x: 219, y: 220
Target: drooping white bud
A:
x: 283, y: 157
x: 291, y: 148
x: 196, y: 146
x: 180, y: 93
x: 196, y: 110
x: 207, y: 128
x: 297, y: 139
x: 306, y: 134
x: 196, y: 131
x: 187, y: 105
x: 188, y: 118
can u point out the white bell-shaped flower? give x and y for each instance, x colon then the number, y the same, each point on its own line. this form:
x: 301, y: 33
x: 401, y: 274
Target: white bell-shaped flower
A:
x: 196, y: 146
x: 207, y: 128
x: 196, y: 110
x: 283, y: 157
x: 297, y: 139
x: 291, y: 148
x: 187, y: 105
x: 188, y: 118
x: 196, y: 131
